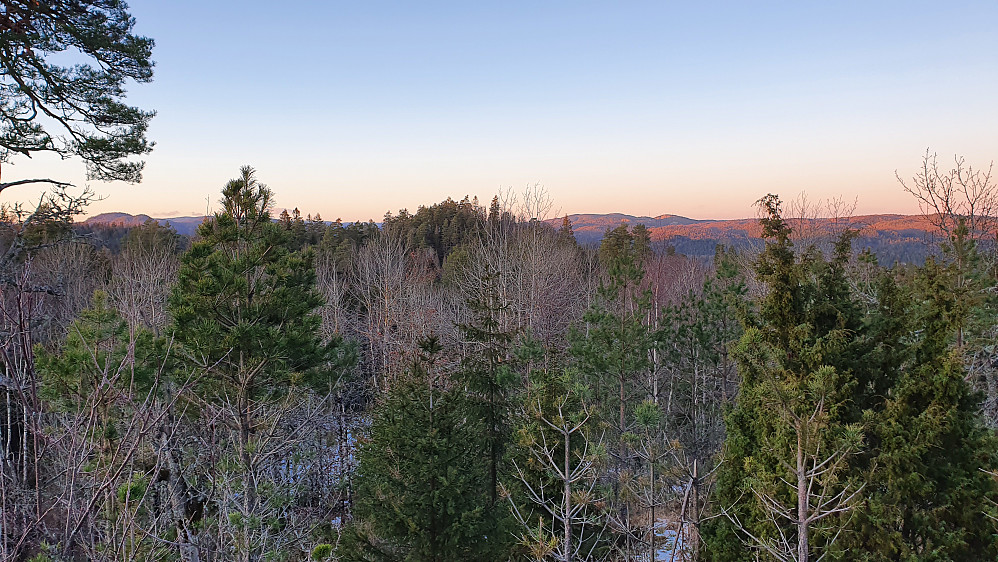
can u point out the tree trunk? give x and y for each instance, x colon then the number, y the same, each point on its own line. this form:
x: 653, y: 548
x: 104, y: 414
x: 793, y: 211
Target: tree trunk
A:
x: 694, y: 538
x: 568, y: 498
x: 802, y: 500
x: 249, y: 491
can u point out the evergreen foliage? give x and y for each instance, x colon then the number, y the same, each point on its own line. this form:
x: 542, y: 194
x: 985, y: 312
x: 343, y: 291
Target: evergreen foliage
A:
x: 84, y: 101
x: 487, y: 373
x: 849, y: 428
x: 245, y: 305
x: 611, y: 347
x: 555, y: 490
x: 442, y: 226
x: 102, y: 377
x: 244, y: 310
x: 916, y: 487
x: 98, y: 350
x: 419, y: 483
x: 152, y: 236
x: 343, y: 242
x: 612, y: 351
x: 798, y: 385
x: 694, y: 338
x: 565, y: 234
x: 930, y: 492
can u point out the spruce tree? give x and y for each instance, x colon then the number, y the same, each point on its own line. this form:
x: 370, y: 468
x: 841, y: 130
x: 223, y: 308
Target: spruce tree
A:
x: 918, y: 486
x: 487, y: 373
x: 565, y: 234
x: 798, y: 364
x: 929, y: 493
x: 419, y: 489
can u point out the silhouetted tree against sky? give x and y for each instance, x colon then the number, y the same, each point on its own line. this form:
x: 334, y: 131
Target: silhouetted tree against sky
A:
x: 73, y: 110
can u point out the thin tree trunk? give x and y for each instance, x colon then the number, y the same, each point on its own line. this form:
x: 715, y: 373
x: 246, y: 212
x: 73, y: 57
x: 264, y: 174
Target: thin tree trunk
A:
x: 694, y: 539
x: 651, y: 481
x: 568, y: 499
x: 249, y: 491
x: 802, y: 500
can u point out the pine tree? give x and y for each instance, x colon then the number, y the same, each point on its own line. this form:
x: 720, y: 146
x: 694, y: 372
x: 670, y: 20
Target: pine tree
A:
x: 73, y: 106
x: 555, y: 490
x: 97, y: 361
x: 244, y: 309
x: 611, y: 349
x: 612, y: 352
x: 100, y: 385
x: 246, y: 305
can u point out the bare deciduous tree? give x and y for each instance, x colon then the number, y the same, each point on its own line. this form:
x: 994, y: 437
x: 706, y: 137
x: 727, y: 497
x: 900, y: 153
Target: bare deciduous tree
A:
x: 140, y: 285
x: 961, y: 193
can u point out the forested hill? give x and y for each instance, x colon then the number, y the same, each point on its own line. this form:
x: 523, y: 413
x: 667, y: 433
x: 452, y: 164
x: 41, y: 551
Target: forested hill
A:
x: 892, y: 237
x: 590, y: 227
x: 183, y: 225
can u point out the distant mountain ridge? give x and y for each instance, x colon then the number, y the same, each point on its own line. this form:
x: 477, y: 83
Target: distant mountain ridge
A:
x: 613, y: 220
x: 183, y: 225
x: 591, y: 227
x: 894, y: 237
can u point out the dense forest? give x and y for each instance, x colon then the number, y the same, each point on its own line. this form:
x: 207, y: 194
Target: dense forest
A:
x: 470, y: 383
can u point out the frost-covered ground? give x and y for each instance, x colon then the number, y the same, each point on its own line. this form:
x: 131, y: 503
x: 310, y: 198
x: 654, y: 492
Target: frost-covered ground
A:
x: 671, y: 544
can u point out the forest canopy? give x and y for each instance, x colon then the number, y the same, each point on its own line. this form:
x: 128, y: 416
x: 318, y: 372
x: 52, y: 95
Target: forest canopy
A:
x: 469, y: 383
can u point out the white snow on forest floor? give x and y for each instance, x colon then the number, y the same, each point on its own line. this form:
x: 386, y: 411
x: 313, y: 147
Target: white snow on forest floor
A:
x: 670, y: 541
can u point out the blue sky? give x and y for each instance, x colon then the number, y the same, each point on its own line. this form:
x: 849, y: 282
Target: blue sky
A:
x: 354, y: 108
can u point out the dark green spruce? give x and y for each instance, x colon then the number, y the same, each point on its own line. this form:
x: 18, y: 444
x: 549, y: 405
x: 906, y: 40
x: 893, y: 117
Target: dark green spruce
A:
x: 419, y: 483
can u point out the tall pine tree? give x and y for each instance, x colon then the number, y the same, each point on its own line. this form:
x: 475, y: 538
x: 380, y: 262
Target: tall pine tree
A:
x: 244, y: 309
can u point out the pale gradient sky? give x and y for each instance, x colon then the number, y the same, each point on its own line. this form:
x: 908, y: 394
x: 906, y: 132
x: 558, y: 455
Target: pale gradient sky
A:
x: 691, y: 108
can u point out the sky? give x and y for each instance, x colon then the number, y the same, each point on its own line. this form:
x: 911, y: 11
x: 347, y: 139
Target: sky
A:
x: 352, y: 109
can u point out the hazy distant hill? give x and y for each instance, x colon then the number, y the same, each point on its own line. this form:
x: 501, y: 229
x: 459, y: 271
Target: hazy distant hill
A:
x: 892, y: 237
x: 118, y: 219
x: 613, y: 220
x: 183, y: 225
x: 590, y: 227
